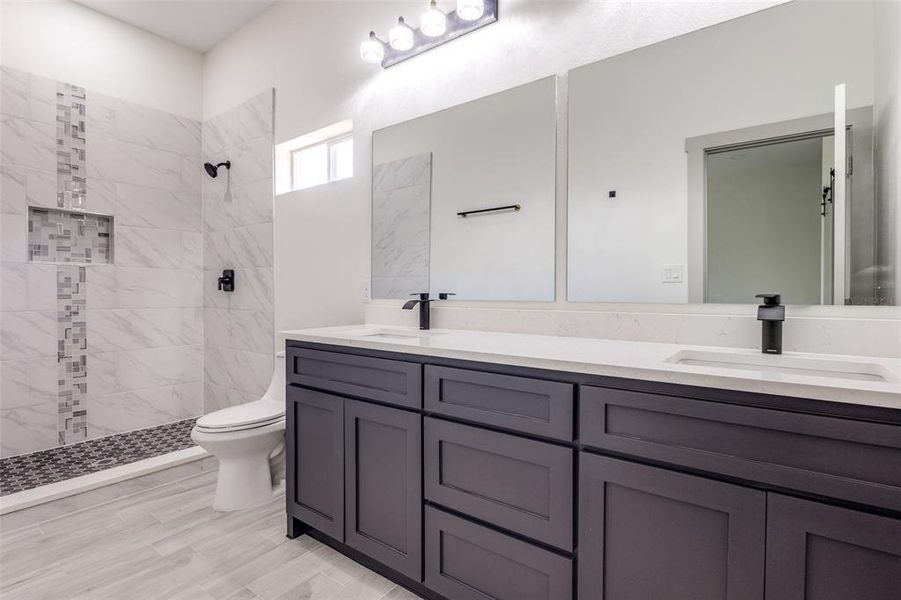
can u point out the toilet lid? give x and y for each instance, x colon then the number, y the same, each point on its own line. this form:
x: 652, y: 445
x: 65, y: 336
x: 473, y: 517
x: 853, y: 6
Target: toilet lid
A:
x: 259, y: 413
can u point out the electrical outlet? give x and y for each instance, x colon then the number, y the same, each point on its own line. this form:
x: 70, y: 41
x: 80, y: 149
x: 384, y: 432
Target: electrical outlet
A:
x: 672, y: 273
x: 365, y: 291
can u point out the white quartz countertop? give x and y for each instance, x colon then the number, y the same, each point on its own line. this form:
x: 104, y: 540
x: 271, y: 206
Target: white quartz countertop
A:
x: 794, y: 374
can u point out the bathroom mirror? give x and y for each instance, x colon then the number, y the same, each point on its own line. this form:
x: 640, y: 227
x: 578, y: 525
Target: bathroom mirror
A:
x: 758, y: 155
x: 463, y: 199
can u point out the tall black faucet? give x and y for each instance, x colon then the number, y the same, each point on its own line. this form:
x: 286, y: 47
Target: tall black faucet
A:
x: 772, y: 314
x: 424, y: 302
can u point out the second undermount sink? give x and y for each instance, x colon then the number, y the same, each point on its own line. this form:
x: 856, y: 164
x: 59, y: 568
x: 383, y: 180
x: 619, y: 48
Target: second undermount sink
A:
x: 785, y: 365
x: 400, y: 334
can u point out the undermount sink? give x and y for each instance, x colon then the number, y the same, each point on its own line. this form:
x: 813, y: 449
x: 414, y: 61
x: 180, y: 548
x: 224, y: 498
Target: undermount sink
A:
x: 400, y: 335
x: 782, y: 364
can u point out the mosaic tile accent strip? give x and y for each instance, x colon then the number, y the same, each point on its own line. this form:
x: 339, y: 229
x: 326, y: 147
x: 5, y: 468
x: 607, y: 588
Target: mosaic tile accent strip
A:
x: 70, y: 146
x: 61, y: 236
x: 27, y: 471
x: 72, y: 353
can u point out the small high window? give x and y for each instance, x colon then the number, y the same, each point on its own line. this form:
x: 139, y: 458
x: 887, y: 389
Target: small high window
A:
x: 316, y: 158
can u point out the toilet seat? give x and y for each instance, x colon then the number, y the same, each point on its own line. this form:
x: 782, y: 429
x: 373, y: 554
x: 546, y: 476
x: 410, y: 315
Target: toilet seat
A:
x: 244, y: 416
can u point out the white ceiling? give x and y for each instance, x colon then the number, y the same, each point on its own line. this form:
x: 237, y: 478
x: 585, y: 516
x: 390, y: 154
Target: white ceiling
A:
x: 197, y: 24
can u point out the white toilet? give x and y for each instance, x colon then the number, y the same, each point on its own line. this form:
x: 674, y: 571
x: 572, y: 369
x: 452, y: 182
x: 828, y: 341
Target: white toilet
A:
x: 248, y: 440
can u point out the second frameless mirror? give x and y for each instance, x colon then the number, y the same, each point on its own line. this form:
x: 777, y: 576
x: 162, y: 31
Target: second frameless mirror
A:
x: 463, y: 199
x: 703, y: 168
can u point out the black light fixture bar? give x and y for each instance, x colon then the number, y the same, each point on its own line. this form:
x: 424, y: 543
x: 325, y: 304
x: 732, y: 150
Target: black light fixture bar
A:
x: 456, y: 27
x: 466, y: 213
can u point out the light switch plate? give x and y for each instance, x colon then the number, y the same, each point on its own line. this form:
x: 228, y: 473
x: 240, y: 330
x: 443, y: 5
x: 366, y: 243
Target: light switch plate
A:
x: 365, y: 291
x: 672, y: 273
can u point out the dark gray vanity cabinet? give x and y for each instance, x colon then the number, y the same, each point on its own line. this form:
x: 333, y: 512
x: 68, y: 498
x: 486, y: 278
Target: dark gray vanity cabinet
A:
x: 383, y: 485
x: 315, y: 459
x: 474, y: 481
x: 652, y: 533
x: 824, y: 552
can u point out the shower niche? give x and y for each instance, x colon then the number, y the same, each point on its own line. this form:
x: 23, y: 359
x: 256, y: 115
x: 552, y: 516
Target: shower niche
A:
x: 69, y: 236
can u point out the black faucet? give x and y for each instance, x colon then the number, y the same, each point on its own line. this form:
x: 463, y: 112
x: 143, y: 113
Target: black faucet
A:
x: 772, y: 314
x: 227, y: 280
x: 424, y: 302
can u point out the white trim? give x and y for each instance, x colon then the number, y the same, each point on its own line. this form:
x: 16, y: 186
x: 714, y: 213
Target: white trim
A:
x: 91, y: 481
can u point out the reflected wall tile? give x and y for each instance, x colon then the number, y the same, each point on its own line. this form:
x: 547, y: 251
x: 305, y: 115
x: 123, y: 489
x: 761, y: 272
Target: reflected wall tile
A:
x: 398, y: 287
x: 28, y: 429
x: 28, y: 143
x: 137, y: 409
x: 149, y: 207
x: 27, y: 333
x: 27, y: 96
x: 405, y: 172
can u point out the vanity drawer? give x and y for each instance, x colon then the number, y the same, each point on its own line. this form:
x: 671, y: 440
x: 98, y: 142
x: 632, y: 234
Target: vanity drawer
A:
x: 389, y: 381
x: 852, y: 460
x: 466, y: 561
x: 524, y: 404
x: 518, y: 484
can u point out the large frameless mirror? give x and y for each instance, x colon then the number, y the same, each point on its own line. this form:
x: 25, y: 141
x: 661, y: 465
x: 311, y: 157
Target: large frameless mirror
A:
x: 759, y: 155
x: 463, y: 199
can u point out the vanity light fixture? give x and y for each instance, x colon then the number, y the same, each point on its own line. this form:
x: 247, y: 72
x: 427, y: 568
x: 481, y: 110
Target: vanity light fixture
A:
x: 433, y: 22
x: 373, y: 49
x: 435, y: 28
x: 401, y: 37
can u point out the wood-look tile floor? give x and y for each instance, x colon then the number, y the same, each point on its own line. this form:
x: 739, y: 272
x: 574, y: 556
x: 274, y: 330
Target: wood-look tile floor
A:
x: 169, y: 543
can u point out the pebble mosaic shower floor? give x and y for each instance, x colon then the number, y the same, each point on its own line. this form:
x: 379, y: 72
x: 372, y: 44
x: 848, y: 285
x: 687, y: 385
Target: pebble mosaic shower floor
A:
x: 27, y: 471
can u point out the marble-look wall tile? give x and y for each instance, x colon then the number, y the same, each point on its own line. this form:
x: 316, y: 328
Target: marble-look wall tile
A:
x: 137, y: 409
x: 217, y: 397
x: 28, y: 429
x: 138, y: 287
x: 21, y: 187
x: 30, y: 144
x: 239, y: 369
x: 14, y: 232
x: 253, y: 290
x: 251, y: 161
x: 102, y: 283
x: 139, y: 206
x: 28, y: 382
x: 27, y: 334
x: 128, y: 370
x: 123, y: 162
x: 145, y: 126
x: 27, y: 96
x: 149, y: 247
x: 136, y: 328
x: 247, y: 121
x: 229, y: 205
x: 239, y: 329
x: 249, y: 246
x: 27, y: 287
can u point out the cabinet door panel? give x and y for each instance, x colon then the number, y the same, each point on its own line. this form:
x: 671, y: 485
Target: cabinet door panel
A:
x: 466, y: 561
x: 650, y: 533
x: 828, y: 553
x: 518, y: 484
x: 383, y: 485
x: 315, y: 469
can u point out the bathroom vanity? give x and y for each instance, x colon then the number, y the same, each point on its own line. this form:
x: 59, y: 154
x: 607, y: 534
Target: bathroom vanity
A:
x: 472, y: 465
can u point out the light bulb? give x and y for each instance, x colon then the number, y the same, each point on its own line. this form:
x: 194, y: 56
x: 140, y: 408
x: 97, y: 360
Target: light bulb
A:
x: 433, y: 22
x: 470, y: 10
x: 372, y: 50
x: 401, y: 36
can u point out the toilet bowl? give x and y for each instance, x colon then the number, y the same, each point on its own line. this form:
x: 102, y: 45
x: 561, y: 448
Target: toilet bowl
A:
x: 248, y: 440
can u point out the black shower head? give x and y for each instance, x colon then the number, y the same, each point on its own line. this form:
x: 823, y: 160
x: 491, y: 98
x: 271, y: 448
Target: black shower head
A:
x: 213, y: 170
